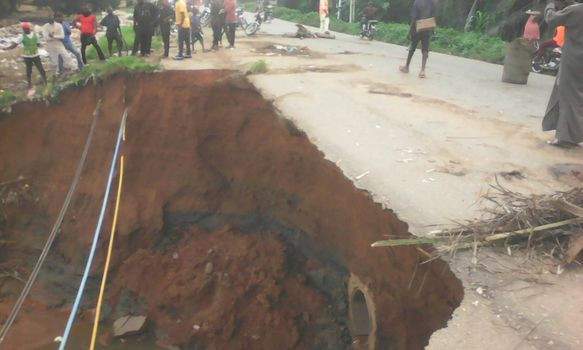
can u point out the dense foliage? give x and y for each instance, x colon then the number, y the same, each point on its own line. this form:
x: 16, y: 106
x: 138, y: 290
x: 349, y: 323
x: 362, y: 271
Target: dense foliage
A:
x: 8, y: 6
x: 72, y: 6
x: 446, y: 40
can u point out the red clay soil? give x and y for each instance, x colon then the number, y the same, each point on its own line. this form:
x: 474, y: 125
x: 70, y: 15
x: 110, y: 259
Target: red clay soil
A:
x: 235, y: 232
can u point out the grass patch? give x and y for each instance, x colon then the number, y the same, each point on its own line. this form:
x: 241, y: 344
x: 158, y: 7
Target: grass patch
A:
x: 129, y: 36
x: 99, y: 71
x: 446, y: 40
x: 7, y: 98
x: 257, y: 67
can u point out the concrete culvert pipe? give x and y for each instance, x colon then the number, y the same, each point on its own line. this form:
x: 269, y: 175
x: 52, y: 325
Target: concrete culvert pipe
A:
x: 361, y: 314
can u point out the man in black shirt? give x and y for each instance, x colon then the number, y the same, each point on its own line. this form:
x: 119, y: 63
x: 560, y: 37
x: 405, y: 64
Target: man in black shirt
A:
x: 145, y: 17
x: 166, y: 16
x: 113, y: 32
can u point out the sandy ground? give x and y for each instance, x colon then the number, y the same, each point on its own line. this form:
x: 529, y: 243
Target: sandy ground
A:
x: 428, y: 149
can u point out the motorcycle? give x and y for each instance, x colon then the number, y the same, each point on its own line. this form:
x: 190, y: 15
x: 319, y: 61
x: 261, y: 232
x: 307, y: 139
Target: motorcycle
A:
x: 369, y: 30
x: 241, y: 20
x: 205, y: 16
x: 549, y: 62
x: 253, y: 27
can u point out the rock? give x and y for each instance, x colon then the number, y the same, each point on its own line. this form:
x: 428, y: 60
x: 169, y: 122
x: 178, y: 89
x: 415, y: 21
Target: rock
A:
x: 128, y: 325
x: 208, y: 269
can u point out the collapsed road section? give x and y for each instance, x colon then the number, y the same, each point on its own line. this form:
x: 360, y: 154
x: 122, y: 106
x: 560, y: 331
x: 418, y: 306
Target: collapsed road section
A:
x: 234, y: 232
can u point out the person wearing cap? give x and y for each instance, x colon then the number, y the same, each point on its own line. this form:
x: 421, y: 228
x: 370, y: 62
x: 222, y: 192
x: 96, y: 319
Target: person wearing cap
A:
x: 532, y: 27
x: 30, y: 41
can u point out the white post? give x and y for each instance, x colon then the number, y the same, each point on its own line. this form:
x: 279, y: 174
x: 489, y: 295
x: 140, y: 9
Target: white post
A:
x: 351, y: 11
x: 339, y: 9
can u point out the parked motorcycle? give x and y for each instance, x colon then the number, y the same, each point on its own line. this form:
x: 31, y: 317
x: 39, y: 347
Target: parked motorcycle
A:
x: 253, y: 27
x: 369, y: 30
x: 549, y: 62
x: 241, y: 20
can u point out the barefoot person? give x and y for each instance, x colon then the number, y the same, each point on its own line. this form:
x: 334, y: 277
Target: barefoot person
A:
x: 422, y: 27
x: 565, y: 109
x: 30, y: 55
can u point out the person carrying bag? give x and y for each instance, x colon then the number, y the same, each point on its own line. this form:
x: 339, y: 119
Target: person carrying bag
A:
x: 423, y: 24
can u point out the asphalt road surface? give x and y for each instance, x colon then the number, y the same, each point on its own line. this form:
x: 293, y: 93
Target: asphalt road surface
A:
x: 427, y: 148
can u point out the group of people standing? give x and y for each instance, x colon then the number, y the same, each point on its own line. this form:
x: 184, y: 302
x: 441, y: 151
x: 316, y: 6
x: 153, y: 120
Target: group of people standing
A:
x: 186, y: 16
x: 146, y: 18
x: 57, y: 34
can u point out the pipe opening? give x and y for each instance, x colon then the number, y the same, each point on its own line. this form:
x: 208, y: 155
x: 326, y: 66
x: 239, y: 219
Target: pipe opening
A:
x: 360, y: 316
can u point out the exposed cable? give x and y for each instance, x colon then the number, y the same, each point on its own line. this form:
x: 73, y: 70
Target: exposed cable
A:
x: 81, y: 289
x: 108, y: 258
x: 56, y: 226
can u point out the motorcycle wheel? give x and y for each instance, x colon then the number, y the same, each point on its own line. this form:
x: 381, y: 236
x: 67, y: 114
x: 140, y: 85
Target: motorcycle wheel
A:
x: 536, y: 67
x: 370, y: 37
x: 252, y: 28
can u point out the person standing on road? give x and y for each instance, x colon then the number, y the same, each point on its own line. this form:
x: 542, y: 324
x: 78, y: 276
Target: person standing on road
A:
x: 54, y: 35
x: 196, y: 29
x: 144, y: 21
x: 183, y: 25
x: 231, y: 21
x: 165, y: 18
x: 68, y: 43
x: 565, y: 109
x: 324, y: 16
x: 30, y: 55
x: 113, y: 31
x: 422, y: 27
x: 87, y: 22
x: 217, y: 21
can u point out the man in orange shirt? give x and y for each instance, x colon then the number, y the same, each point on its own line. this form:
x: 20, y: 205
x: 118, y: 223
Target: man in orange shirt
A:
x: 557, y: 41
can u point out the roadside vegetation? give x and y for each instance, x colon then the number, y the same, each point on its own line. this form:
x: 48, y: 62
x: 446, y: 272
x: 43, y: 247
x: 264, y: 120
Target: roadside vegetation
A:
x: 94, y: 72
x: 128, y: 37
x: 258, y: 67
x: 473, y: 44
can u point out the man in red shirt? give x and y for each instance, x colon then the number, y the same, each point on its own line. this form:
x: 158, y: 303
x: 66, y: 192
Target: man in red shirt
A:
x: 231, y: 21
x: 87, y: 23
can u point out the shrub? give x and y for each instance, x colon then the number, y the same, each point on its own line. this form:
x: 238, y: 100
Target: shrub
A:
x: 446, y: 40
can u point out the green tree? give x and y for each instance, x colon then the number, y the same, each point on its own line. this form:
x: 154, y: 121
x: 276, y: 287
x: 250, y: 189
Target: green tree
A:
x: 8, y: 6
x: 73, y: 6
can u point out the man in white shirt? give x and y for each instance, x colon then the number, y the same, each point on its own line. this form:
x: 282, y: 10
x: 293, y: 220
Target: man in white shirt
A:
x: 54, y: 34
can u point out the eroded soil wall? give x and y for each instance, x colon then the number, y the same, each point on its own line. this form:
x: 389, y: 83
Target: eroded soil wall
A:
x: 235, y: 232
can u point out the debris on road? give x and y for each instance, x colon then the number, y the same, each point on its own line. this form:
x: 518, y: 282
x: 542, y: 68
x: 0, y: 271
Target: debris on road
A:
x: 362, y: 175
x: 128, y: 325
x: 302, y: 33
x: 542, y: 222
x: 512, y: 175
